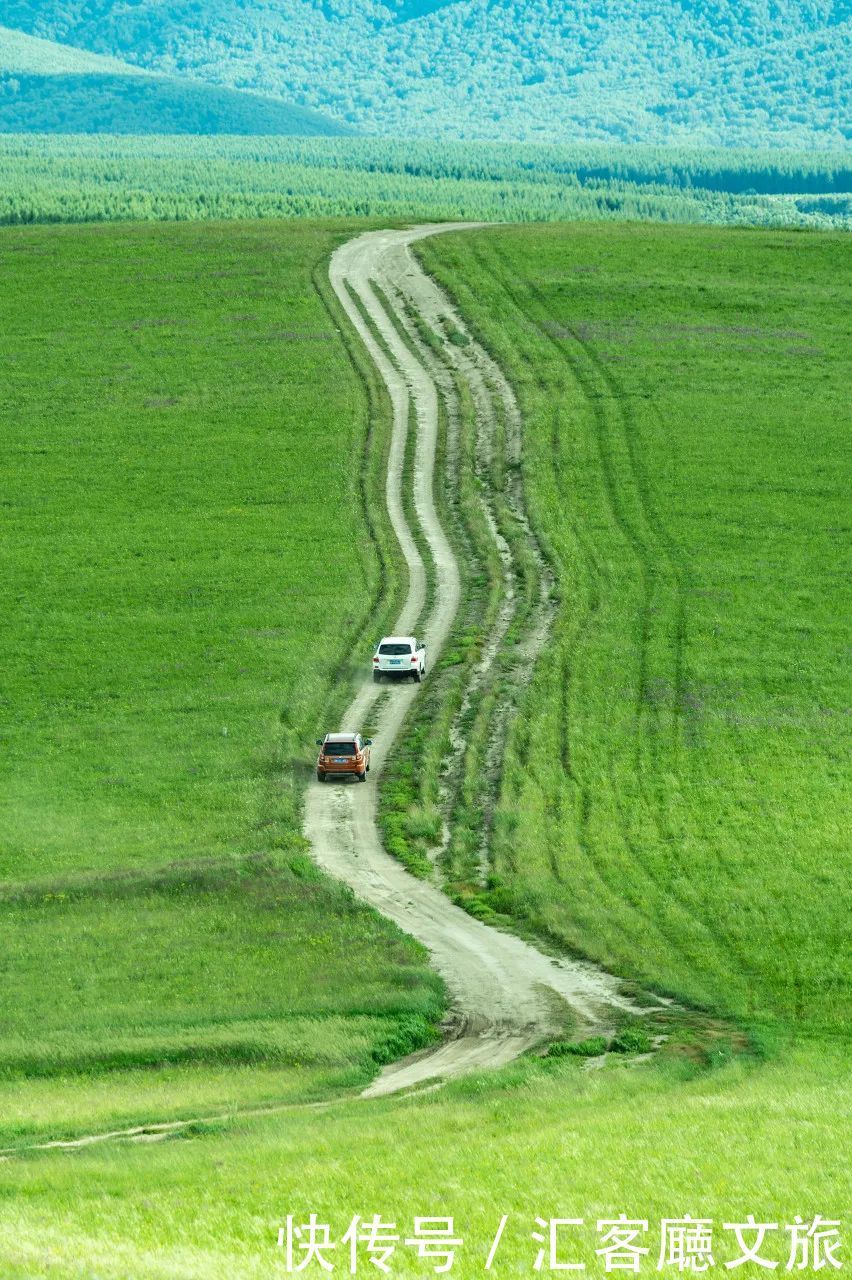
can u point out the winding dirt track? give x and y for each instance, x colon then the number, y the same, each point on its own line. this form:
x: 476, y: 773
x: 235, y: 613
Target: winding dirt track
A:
x: 505, y: 994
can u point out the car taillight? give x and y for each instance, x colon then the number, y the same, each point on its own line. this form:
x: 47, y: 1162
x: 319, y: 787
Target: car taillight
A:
x: 414, y: 657
x: 376, y: 658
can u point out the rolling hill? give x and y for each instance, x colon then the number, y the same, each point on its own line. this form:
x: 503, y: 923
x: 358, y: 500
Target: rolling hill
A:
x: 707, y: 72
x: 181, y: 414
x: 47, y: 87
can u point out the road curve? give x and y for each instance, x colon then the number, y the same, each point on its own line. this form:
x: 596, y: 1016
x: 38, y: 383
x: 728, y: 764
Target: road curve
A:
x: 505, y: 994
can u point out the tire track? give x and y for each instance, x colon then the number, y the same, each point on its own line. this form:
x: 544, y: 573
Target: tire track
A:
x: 646, y: 538
x: 524, y: 603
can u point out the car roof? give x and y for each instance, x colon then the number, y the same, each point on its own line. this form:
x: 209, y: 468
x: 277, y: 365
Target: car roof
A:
x: 341, y: 737
x: 397, y: 640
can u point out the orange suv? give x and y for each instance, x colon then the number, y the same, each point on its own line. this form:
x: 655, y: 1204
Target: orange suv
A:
x: 343, y: 755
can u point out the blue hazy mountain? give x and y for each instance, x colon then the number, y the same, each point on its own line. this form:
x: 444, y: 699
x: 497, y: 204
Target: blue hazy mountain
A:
x: 730, y: 72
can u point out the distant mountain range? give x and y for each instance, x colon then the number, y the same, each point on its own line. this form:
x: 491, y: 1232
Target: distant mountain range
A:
x: 702, y: 72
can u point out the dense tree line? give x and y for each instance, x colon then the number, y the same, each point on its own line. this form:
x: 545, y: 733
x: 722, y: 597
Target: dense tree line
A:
x: 97, y: 178
x: 110, y: 103
x: 709, y: 72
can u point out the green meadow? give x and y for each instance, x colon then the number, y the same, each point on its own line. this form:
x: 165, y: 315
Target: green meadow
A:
x: 180, y: 414
x: 183, y: 428
x: 538, y: 1139
x: 182, y: 420
x: 673, y: 797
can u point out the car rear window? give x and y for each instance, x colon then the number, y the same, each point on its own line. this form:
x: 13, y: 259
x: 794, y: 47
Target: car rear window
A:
x: 394, y: 650
x: 340, y: 748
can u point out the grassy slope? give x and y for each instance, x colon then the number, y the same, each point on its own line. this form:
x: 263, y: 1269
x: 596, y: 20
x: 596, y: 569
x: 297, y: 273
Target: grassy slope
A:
x: 538, y: 1138
x: 672, y: 799
x: 179, y: 417
x: 179, y: 413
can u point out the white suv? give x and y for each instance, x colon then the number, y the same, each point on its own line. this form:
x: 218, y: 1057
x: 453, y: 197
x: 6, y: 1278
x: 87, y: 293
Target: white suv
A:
x: 399, y: 656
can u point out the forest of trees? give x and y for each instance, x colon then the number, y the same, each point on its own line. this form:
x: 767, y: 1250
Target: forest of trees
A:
x: 98, y: 178
x: 136, y: 104
x: 697, y: 72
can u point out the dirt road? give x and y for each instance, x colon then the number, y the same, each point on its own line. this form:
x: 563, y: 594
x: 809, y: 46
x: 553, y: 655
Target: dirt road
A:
x: 506, y: 995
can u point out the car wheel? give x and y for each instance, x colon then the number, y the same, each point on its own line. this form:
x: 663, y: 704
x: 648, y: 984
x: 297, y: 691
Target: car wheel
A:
x: 377, y: 677
x: 320, y: 776
x: 415, y: 675
x: 362, y: 777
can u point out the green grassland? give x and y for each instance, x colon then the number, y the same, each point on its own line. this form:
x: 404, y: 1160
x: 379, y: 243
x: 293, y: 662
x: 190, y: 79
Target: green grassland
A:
x: 196, y: 989
x: 182, y: 425
x: 672, y: 797
x: 163, y: 392
x: 537, y: 1139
